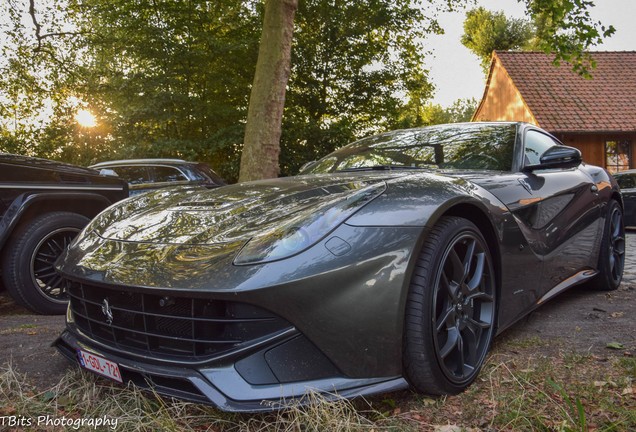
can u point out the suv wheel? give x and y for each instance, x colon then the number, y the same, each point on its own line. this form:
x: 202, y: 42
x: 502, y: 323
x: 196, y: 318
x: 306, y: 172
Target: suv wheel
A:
x: 28, y: 264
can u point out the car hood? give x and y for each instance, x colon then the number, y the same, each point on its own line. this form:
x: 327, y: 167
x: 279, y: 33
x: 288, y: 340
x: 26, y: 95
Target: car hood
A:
x: 199, y: 216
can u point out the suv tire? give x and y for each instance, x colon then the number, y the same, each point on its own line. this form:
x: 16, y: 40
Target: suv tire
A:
x: 28, y: 262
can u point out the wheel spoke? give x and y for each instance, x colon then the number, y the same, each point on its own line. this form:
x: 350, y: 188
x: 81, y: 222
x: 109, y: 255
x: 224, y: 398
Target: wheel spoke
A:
x: 452, y: 291
x: 471, y: 339
x: 619, y: 248
x: 47, y: 255
x: 616, y: 224
x: 479, y: 272
x: 451, y: 342
x: 484, y: 297
x: 460, y: 352
x: 458, y: 267
x: 468, y: 258
x: 474, y: 324
x: 616, y: 264
x: 58, y: 248
x: 46, y: 275
x: 44, y: 260
x: 447, y: 319
x: 56, y: 282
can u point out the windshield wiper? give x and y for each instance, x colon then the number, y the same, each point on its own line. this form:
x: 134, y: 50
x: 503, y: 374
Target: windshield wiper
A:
x: 379, y: 168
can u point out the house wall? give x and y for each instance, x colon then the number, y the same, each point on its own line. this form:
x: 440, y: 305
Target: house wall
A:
x: 502, y: 101
x: 592, y: 145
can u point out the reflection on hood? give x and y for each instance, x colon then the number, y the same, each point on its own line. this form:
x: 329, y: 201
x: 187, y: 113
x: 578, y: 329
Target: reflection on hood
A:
x: 201, y: 216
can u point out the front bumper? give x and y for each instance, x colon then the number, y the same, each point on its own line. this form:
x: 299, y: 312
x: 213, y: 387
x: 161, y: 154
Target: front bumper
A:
x: 224, y: 385
x: 336, y: 318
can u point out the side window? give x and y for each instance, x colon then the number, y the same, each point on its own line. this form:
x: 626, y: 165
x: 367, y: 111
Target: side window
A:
x: 626, y: 181
x: 167, y: 174
x: 133, y: 174
x: 536, y: 144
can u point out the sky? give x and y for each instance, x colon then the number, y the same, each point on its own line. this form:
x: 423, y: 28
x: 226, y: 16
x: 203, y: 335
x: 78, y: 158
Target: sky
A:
x: 455, y: 71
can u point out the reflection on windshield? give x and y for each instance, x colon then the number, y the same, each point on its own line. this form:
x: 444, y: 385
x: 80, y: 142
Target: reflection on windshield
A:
x: 471, y: 146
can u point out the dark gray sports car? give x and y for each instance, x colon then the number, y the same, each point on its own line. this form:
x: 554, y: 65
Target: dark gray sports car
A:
x: 390, y: 262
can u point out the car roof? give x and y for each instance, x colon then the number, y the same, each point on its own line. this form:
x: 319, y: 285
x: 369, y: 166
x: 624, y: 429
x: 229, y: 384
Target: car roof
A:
x: 142, y: 162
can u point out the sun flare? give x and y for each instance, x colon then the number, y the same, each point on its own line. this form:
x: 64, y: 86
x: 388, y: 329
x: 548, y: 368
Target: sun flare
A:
x: 85, y: 118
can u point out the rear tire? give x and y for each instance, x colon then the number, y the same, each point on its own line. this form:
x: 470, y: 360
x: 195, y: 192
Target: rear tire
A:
x: 611, y: 259
x: 28, y: 271
x: 450, y: 309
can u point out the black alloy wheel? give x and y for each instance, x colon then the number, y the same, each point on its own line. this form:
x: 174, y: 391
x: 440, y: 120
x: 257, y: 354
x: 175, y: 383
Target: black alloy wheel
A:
x: 43, y: 275
x: 28, y: 262
x: 450, y: 313
x: 611, y: 261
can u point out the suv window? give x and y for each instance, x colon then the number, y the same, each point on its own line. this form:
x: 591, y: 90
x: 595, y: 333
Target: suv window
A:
x: 167, y: 174
x: 133, y: 174
x: 536, y: 144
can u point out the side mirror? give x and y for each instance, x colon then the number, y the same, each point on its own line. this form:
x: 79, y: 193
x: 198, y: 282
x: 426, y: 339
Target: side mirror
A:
x: 558, y: 156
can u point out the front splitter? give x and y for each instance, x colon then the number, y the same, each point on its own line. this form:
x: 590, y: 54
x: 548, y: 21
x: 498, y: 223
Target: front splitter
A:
x: 223, y: 387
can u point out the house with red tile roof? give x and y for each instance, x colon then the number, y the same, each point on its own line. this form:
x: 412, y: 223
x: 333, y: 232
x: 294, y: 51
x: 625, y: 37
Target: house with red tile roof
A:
x: 598, y: 115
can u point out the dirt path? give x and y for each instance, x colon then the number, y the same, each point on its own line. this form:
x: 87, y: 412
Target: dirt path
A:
x: 577, y: 321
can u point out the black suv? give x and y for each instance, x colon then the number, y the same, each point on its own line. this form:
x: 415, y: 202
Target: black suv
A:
x: 43, y: 205
x: 146, y: 174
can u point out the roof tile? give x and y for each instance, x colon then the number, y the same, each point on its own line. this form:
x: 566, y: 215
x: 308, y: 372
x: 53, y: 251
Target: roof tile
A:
x: 563, y: 101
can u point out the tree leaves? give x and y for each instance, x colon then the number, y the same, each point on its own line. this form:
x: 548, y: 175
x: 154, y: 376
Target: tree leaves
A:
x: 486, y: 31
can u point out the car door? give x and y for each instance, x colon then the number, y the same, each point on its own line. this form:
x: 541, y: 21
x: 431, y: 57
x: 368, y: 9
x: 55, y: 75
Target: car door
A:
x: 564, y: 225
x: 556, y: 210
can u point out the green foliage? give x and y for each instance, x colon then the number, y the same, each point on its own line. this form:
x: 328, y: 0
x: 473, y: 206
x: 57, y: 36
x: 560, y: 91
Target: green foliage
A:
x: 168, y: 78
x: 352, y: 63
x: 576, y: 413
x: 565, y: 28
x: 171, y: 78
x: 416, y: 115
x: 164, y: 78
x: 561, y: 27
x: 486, y: 31
x: 36, y: 74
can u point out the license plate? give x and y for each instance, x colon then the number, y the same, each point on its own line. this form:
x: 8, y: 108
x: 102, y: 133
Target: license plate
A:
x: 99, y: 365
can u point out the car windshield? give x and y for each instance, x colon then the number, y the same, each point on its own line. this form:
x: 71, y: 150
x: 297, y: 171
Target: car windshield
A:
x: 467, y: 146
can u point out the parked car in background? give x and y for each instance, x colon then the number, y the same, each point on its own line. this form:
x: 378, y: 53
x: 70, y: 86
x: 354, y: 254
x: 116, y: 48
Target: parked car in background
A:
x: 147, y: 174
x: 43, y: 205
x: 390, y: 262
x: 627, y: 182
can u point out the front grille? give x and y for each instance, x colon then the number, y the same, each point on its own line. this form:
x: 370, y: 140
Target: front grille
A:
x: 169, y: 326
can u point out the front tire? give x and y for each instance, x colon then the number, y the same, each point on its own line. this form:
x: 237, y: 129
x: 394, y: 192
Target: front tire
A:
x: 611, y: 259
x: 450, y: 309
x: 28, y: 263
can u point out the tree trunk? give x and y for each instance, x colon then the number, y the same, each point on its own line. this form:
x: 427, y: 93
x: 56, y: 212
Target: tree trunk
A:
x: 261, y: 146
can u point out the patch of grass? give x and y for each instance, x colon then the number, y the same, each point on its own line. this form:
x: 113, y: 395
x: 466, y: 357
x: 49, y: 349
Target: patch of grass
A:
x: 528, y: 342
x: 629, y: 363
x: 566, y: 392
x: 81, y: 395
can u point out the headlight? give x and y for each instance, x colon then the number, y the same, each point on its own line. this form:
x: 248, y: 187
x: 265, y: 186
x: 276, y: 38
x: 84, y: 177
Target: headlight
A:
x: 304, y: 230
x: 93, y: 226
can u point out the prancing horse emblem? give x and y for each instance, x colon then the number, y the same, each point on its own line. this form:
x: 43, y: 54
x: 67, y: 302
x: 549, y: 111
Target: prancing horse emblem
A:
x: 107, y: 311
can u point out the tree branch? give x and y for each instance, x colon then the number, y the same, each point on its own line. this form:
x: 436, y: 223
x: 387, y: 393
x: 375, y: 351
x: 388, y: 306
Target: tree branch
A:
x: 38, y: 28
